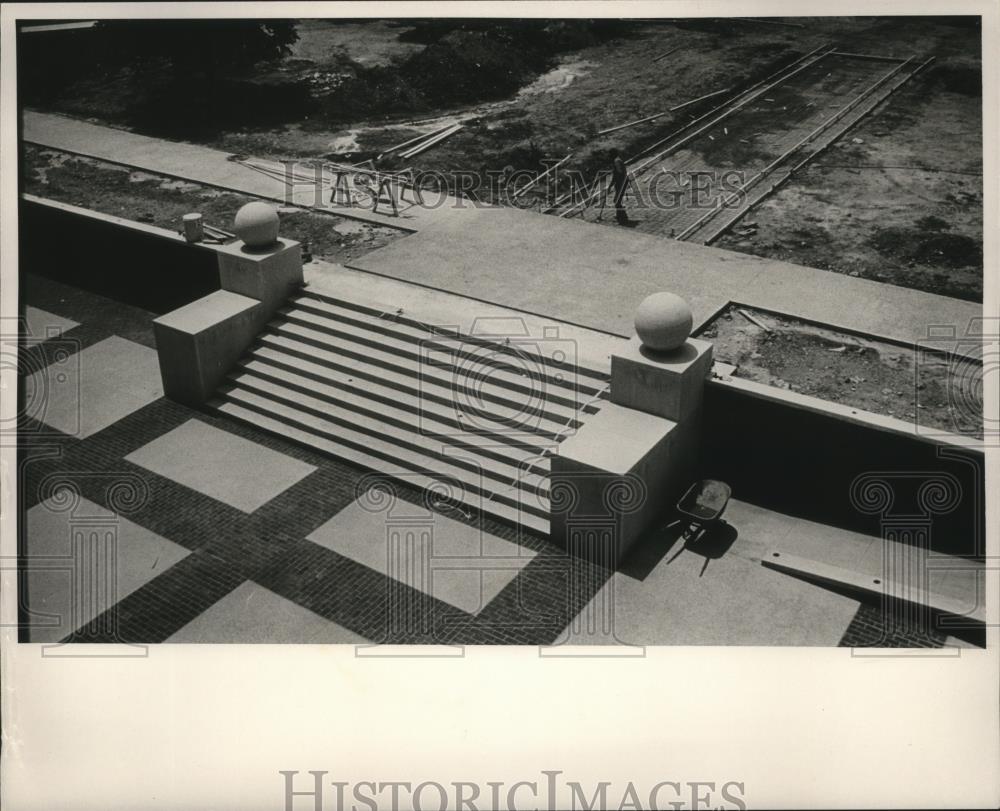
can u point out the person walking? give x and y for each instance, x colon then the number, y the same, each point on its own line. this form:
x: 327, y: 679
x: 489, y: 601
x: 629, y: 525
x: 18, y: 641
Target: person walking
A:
x: 619, y: 181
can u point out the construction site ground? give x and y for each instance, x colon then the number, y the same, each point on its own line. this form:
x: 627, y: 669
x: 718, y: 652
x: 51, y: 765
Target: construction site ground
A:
x: 898, y: 199
x: 160, y: 200
x: 928, y: 390
x: 594, y: 275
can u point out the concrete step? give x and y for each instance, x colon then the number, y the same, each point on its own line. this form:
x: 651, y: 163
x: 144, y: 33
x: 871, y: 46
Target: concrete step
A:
x: 418, y: 402
x: 431, y: 417
x: 513, y: 506
x: 522, y: 375
x: 448, y: 381
x: 417, y: 395
x: 401, y: 324
x: 499, y: 467
x: 384, y: 416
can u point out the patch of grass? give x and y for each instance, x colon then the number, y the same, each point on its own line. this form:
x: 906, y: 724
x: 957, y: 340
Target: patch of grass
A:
x: 932, y: 223
x: 963, y: 79
x: 931, y: 248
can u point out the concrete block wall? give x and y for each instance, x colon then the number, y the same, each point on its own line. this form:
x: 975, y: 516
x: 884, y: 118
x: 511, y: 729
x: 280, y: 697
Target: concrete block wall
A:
x: 201, y: 342
x: 269, y: 275
x: 630, y: 462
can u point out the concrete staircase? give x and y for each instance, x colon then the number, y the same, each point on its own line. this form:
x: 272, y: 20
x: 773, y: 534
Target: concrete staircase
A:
x: 470, y: 419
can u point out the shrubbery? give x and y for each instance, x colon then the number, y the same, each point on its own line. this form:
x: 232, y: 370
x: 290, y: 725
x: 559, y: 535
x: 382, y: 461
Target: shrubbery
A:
x: 465, y: 62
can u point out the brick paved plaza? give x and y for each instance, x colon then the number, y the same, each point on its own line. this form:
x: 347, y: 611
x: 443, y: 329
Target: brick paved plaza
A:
x: 278, y: 550
x: 180, y: 525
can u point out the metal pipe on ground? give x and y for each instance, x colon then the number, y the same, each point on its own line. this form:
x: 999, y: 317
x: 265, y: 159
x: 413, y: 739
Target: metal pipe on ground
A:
x: 631, y: 123
x: 766, y: 83
x: 700, y: 98
x: 665, y: 54
x: 719, y: 231
x: 532, y: 183
x: 429, y: 143
x: 870, y: 56
x: 781, y: 158
x: 422, y: 137
x: 725, y: 226
x: 768, y: 22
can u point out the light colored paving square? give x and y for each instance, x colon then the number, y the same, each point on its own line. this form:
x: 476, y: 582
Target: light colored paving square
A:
x: 456, y: 563
x: 219, y: 464
x: 82, y: 559
x: 41, y: 324
x: 253, y: 614
x: 94, y: 388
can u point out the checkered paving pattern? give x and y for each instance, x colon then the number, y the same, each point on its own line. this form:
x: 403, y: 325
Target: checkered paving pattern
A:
x: 84, y: 558
x: 268, y: 546
x: 238, y: 561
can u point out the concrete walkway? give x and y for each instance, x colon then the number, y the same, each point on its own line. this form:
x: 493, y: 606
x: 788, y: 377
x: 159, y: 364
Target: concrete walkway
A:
x: 585, y: 347
x: 596, y: 276
x: 212, y: 167
x: 716, y: 592
x: 571, y: 271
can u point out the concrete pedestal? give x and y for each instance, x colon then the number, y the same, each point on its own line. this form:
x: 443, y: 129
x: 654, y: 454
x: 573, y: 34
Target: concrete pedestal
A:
x: 613, y: 477
x: 629, y: 463
x: 668, y: 384
x: 269, y: 275
x: 198, y: 344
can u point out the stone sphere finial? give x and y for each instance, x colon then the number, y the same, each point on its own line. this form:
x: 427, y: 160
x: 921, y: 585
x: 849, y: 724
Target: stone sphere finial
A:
x: 663, y: 322
x: 257, y: 225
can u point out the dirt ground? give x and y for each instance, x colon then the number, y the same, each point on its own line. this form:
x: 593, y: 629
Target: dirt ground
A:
x: 872, y: 375
x: 163, y: 201
x: 898, y: 199
x: 375, y: 42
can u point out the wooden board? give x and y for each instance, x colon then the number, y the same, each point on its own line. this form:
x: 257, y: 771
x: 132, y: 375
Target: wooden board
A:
x: 872, y: 585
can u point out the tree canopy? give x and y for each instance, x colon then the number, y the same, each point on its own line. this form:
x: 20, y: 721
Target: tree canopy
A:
x: 196, y: 46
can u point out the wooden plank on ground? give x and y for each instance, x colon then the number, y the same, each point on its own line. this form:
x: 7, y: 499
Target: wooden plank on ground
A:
x: 873, y: 585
